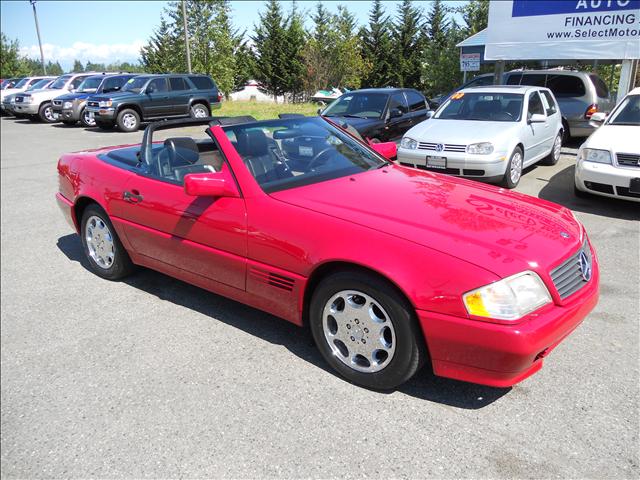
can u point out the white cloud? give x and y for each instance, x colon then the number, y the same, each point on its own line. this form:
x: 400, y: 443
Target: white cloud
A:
x: 83, y: 51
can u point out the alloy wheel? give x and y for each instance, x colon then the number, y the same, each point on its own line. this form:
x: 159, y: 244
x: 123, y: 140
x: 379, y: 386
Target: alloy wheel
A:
x: 129, y: 121
x: 100, y: 242
x: 516, y: 167
x: 88, y: 119
x: 557, y: 147
x: 359, y: 331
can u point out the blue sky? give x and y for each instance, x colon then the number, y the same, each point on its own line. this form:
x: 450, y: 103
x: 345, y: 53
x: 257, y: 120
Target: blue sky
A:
x: 106, y: 31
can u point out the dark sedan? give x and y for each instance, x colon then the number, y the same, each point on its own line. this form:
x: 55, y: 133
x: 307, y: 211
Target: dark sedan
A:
x: 379, y: 114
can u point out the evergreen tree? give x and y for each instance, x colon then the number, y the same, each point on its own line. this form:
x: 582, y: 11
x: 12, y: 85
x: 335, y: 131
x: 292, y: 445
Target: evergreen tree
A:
x: 77, y: 66
x: 271, y: 58
x: 222, y: 63
x: 161, y: 54
x: 10, y: 64
x: 406, y: 35
x: 92, y: 67
x: 245, y: 62
x: 54, y: 69
x: 296, y: 39
x: 376, y: 48
x: 349, y: 67
x: 475, y: 14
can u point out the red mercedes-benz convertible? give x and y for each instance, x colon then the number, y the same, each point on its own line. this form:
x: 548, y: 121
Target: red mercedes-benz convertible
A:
x: 390, y: 267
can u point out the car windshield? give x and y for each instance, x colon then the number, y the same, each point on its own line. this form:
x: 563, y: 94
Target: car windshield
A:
x: 22, y: 83
x: 135, y: 84
x: 60, y: 82
x: 288, y: 153
x: 39, y: 84
x: 90, y: 84
x: 628, y: 112
x: 359, y: 105
x: 486, y: 106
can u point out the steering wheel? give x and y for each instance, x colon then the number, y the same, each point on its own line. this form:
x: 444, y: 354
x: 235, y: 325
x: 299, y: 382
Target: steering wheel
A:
x: 316, y: 160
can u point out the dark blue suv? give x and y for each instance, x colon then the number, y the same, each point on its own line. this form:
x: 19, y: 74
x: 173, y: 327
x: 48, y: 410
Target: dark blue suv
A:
x: 71, y: 107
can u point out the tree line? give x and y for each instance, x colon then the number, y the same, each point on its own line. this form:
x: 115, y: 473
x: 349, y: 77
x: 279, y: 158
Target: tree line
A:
x: 409, y: 47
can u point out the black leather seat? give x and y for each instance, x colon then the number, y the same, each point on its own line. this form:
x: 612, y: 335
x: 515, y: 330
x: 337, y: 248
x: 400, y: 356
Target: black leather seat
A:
x: 253, y: 147
x: 181, y: 151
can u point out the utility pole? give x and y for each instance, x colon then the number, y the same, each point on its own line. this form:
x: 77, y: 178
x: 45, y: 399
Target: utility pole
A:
x: 186, y: 35
x: 35, y: 17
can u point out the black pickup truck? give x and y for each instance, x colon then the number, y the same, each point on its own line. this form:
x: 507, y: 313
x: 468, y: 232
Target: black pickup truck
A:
x: 155, y: 97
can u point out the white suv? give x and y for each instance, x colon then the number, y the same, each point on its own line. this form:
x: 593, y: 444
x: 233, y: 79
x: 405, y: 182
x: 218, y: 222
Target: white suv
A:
x: 37, y: 103
x: 487, y: 133
x: 608, y: 162
x: 21, y: 86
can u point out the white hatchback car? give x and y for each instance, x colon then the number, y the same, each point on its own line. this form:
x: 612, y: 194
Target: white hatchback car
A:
x: 608, y: 162
x: 489, y: 133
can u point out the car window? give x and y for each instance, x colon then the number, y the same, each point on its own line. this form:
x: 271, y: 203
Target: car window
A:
x: 601, y: 88
x: 135, y: 84
x: 90, y: 84
x: 75, y: 83
x: 535, y: 104
x: 202, y: 83
x: 415, y: 100
x: 60, y: 82
x: 627, y: 113
x: 566, y: 86
x: 398, y: 101
x: 486, y: 106
x: 158, y: 84
x: 177, y: 84
x: 364, y: 105
x: 549, y: 102
x: 288, y: 153
x: 113, y: 84
x: 39, y: 84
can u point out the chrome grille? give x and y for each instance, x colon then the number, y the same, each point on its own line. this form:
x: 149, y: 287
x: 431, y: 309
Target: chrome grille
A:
x: 569, y: 277
x: 628, y: 159
x: 93, y: 104
x: 446, y: 147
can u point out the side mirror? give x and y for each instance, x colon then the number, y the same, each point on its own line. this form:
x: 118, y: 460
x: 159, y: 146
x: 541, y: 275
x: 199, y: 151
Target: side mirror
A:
x: 214, y: 184
x: 150, y: 89
x: 537, y: 118
x: 388, y: 150
x: 320, y: 111
x: 597, y: 119
x: 430, y: 113
x: 395, y: 113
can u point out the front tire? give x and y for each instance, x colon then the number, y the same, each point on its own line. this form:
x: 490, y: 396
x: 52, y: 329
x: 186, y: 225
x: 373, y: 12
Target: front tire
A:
x: 554, y: 155
x: 46, y: 114
x: 102, y: 247
x: 86, y: 120
x: 366, y: 330
x: 128, y: 120
x: 198, y: 110
x: 514, y: 169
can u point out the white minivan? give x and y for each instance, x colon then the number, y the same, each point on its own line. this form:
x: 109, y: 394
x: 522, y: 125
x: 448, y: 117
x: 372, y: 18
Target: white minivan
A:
x: 488, y: 133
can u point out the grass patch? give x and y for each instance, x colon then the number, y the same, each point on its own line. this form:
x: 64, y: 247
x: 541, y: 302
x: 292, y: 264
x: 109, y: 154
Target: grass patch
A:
x: 263, y: 110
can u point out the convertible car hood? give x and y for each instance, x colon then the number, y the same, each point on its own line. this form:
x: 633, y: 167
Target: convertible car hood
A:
x: 458, y: 132
x: 478, y: 223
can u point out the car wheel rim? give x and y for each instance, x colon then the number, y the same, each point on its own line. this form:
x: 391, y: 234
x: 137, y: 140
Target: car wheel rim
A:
x: 48, y: 114
x: 359, y: 331
x: 129, y: 120
x: 100, y: 242
x: 516, y: 167
x: 557, y: 146
x: 199, y: 112
x: 88, y: 120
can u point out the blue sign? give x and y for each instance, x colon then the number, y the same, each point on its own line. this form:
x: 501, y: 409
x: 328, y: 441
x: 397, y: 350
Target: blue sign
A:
x: 530, y: 8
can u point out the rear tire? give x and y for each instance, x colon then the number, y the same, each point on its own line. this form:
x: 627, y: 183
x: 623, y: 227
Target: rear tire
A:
x: 102, y: 247
x: 554, y: 155
x: 128, y: 120
x: 514, y: 169
x: 374, y: 340
x: 45, y: 113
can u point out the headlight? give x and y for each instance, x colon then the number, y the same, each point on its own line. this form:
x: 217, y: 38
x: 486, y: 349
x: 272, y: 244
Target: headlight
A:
x: 508, y: 299
x: 67, y: 105
x: 593, y: 155
x: 408, y: 143
x: 482, y: 148
x: 105, y: 103
x: 26, y: 99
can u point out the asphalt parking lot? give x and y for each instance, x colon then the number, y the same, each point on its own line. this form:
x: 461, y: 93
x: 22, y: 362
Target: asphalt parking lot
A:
x: 155, y: 378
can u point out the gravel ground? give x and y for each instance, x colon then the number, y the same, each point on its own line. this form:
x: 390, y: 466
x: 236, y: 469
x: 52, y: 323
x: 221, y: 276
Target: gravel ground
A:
x: 155, y: 378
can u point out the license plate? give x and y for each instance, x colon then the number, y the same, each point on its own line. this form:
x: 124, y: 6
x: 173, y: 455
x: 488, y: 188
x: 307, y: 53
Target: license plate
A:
x: 634, y: 185
x: 437, y: 162
x: 305, y: 151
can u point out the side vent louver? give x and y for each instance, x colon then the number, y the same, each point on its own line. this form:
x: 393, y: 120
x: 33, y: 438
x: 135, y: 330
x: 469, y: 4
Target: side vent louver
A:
x: 273, y: 279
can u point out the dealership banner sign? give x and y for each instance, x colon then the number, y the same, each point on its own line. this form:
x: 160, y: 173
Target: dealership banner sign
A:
x: 563, y: 29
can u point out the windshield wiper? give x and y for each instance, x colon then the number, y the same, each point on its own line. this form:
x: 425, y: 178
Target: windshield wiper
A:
x: 350, y: 115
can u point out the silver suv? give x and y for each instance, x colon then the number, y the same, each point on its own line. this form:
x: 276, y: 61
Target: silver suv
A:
x: 579, y: 94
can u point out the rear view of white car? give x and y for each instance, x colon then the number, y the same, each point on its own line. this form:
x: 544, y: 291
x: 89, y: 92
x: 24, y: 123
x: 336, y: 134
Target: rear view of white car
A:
x: 488, y: 133
x: 609, y: 161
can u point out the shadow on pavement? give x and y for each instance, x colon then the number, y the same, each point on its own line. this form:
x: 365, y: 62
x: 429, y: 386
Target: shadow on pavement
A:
x: 560, y: 190
x: 297, y: 340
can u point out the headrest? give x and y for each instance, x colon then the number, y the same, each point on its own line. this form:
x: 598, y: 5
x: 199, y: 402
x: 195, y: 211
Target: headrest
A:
x: 252, y: 143
x: 182, y: 150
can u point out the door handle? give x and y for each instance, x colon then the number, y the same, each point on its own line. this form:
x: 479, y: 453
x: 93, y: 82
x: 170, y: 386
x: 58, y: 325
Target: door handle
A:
x: 132, y: 197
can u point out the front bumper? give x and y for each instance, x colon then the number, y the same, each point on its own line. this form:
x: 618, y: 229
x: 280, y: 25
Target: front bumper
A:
x: 69, y: 114
x: 485, y: 167
x: 606, y: 180
x: 103, y: 114
x: 503, y: 355
x: 27, y: 108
